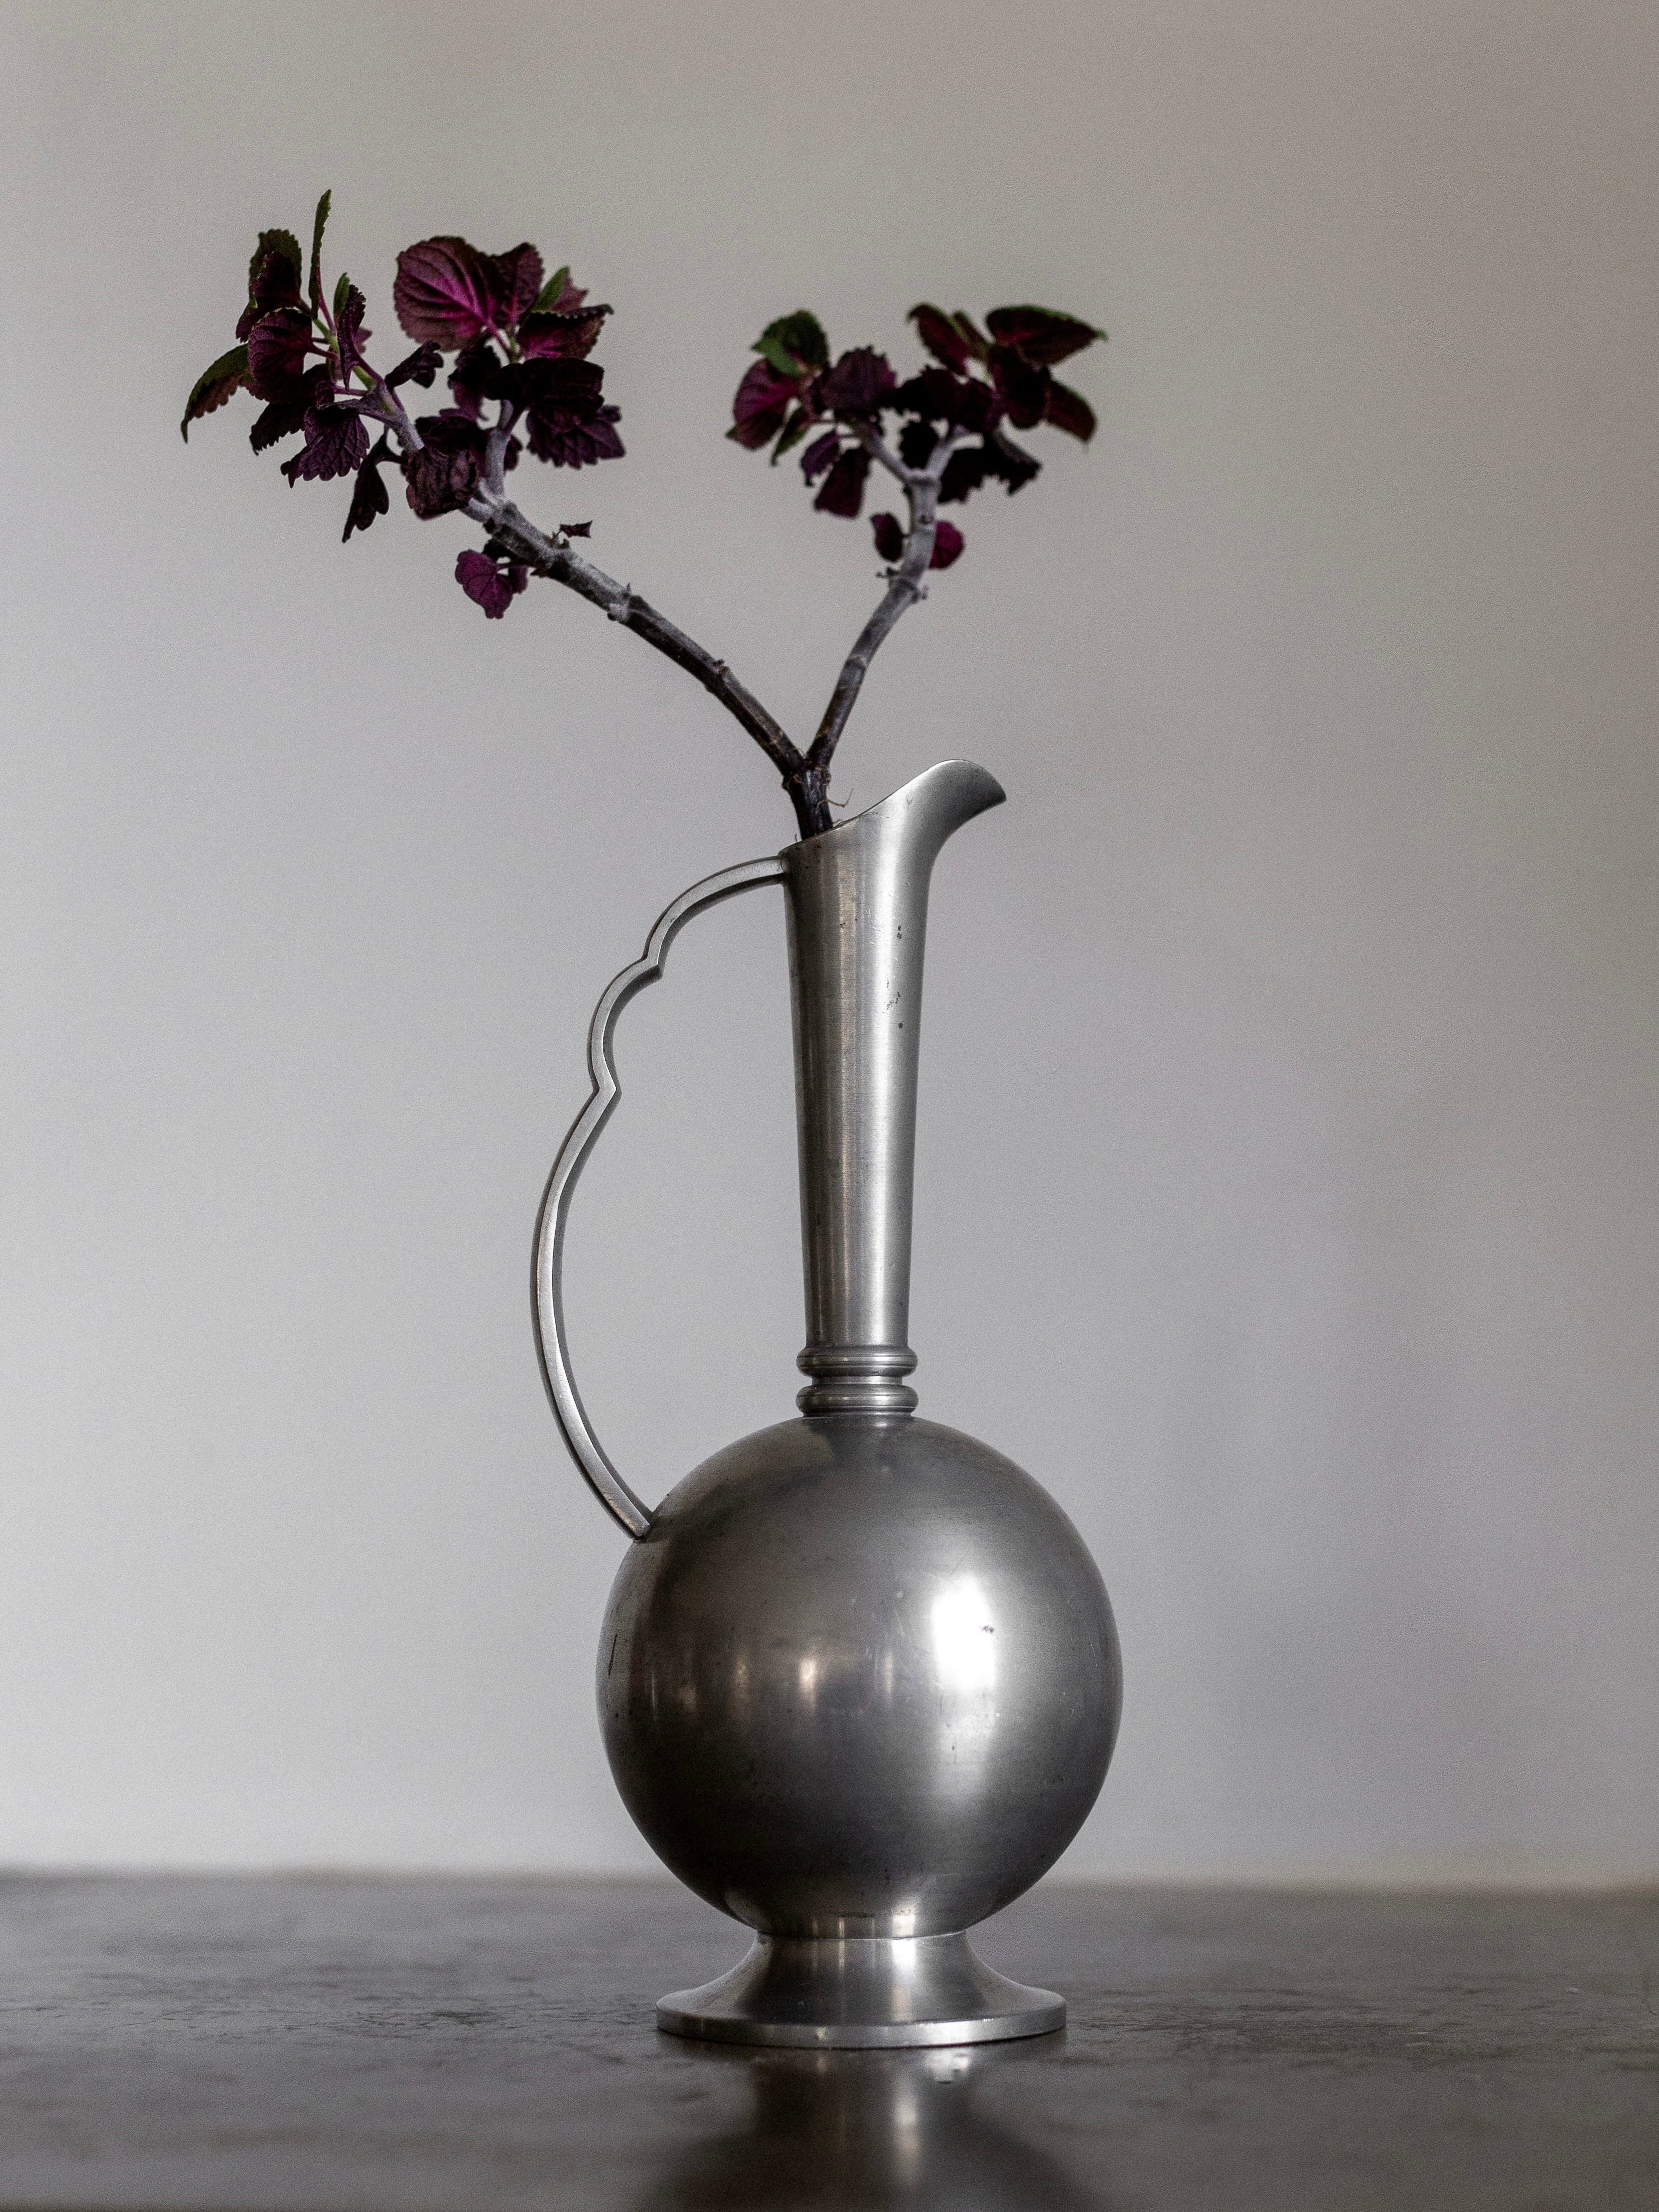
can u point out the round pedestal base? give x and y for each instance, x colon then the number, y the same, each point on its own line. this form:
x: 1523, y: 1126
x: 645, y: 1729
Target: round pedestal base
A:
x: 859, y: 1993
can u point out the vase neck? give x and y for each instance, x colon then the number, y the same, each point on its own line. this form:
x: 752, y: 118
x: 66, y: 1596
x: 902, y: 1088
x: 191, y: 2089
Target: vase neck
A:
x: 858, y: 926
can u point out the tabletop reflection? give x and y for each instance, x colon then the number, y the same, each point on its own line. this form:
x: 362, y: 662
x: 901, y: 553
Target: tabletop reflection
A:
x: 869, y: 2129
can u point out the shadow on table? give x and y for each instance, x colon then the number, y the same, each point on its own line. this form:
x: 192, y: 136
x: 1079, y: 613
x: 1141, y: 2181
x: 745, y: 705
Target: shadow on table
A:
x: 871, y: 2129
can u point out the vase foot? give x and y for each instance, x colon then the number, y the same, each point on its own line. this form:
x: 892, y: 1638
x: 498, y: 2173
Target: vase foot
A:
x: 861, y: 1993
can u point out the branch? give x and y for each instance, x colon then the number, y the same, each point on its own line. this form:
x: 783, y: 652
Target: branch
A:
x: 905, y: 585
x: 557, y: 558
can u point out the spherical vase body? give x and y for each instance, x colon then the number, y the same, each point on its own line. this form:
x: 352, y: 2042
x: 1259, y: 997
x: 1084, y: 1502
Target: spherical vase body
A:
x: 860, y: 1678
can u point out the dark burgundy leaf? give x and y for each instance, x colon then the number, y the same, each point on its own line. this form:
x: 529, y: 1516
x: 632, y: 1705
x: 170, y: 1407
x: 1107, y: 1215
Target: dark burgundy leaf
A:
x: 1069, y: 410
x: 931, y: 395
x: 273, y: 278
x: 442, y: 293
x: 1041, y: 336
x: 441, y: 475
x: 843, y: 491
x: 369, y: 496
x: 277, y: 349
x: 859, y: 383
x: 964, y: 472
x: 948, y: 542
x: 889, y: 535
x: 916, y: 443
x: 420, y: 367
x: 214, y: 386
x: 489, y: 584
x: 978, y: 345
x: 281, y: 419
x: 940, y: 336
x: 350, y: 308
x: 323, y: 206
x: 576, y: 529
x: 936, y: 396
x: 576, y: 386
x: 337, y: 442
x: 574, y: 444
x: 1010, y: 464
x: 763, y: 400
x: 515, y: 278
x: 794, y: 346
x: 571, y: 334
x: 819, y: 454
x: 476, y: 377
x: 1023, y: 387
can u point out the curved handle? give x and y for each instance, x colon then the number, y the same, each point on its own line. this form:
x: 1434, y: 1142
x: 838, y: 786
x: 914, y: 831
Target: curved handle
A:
x: 608, y: 1486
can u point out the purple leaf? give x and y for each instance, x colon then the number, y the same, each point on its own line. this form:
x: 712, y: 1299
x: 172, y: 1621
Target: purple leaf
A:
x: 514, y: 278
x: 978, y: 344
x: 819, y: 454
x: 843, y: 491
x: 277, y: 349
x: 369, y: 496
x: 575, y: 445
x: 214, y: 386
x: 940, y: 336
x: 936, y: 396
x: 273, y: 278
x: 419, y: 368
x: 948, y: 542
x: 964, y: 472
x: 1010, y: 464
x: 442, y: 293
x: 916, y: 443
x: 889, y: 535
x: 350, y: 308
x: 859, y: 384
x: 492, y: 585
x: 1023, y: 386
x: 578, y: 387
x: 1069, y: 410
x: 763, y: 400
x: 576, y: 529
x: 572, y: 335
x: 281, y: 419
x: 1041, y: 336
x: 476, y: 377
x: 440, y: 477
x: 337, y: 442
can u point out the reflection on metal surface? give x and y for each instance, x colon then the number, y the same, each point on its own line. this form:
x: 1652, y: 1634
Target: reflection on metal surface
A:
x: 928, y: 1672
x: 875, y: 2131
x: 861, y: 1993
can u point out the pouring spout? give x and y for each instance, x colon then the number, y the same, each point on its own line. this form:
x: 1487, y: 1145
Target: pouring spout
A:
x: 858, y: 927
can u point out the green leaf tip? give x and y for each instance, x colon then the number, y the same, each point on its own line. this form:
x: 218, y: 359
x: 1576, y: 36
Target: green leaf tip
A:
x: 214, y: 386
x: 793, y: 345
x: 317, y: 228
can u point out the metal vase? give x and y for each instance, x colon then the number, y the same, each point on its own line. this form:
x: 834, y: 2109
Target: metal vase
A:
x: 859, y: 1680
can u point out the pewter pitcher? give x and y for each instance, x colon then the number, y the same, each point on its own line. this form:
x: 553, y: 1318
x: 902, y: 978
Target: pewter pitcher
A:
x: 858, y: 1680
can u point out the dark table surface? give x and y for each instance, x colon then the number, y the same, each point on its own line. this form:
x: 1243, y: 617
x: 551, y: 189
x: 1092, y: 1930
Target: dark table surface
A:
x: 285, y: 2043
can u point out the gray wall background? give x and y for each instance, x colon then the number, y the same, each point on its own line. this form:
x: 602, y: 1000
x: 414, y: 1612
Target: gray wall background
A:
x: 1288, y: 1188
